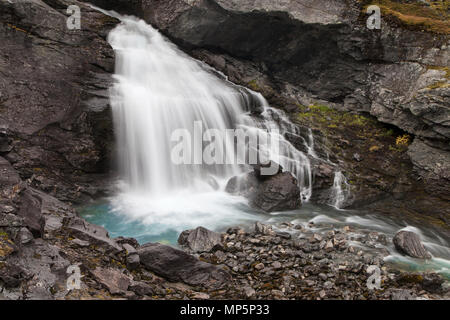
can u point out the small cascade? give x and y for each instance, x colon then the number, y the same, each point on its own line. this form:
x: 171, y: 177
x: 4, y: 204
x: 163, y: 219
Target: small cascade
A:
x: 339, y: 191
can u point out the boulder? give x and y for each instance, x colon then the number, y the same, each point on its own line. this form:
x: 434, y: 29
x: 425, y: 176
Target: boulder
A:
x: 279, y: 192
x: 409, y: 243
x: 200, y: 239
x: 176, y: 265
x: 94, y: 234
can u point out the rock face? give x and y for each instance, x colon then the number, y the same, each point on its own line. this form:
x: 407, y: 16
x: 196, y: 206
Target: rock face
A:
x: 200, y: 239
x: 62, y: 140
x: 409, y: 243
x: 176, y: 265
x: 271, y: 193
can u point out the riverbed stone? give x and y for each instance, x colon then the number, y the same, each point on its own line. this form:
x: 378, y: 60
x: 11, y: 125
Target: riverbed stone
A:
x: 409, y: 243
x: 199, y: 239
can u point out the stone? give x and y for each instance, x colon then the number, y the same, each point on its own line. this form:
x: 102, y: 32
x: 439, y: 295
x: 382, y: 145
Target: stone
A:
x: 402, y: 294
x: 262, y: 229
x: 93, y: 234
x: 176, y: 265
x: 141, y: 288
x: 249, y: 292
x: 259, y: 266
x: 133, y: 261
x: 80, y: 243
x: 200, y: 296
x: 409, y: 243
x: 130, y: 250
x: 279, y: 192
x: 25, y: 236
x: 115, y: 281
x: 276, y: 265
x: 200, y: 239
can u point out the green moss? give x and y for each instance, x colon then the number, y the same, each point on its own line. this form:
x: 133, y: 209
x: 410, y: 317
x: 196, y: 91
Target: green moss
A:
x: 254, y: 85
x: 439, y: 84
x: 324, y: 115
x: 446, y: 69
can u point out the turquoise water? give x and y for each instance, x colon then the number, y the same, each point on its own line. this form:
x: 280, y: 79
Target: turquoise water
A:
x: 165, y: 227
x: 103, y: 214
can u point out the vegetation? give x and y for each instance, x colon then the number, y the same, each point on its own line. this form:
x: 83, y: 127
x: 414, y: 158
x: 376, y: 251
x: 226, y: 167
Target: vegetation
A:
x: 322, y: 115
x: 433, y: 17
x: 402, y: 141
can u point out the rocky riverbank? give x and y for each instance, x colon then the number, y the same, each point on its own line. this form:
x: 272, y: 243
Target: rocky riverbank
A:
x: 56, y: 146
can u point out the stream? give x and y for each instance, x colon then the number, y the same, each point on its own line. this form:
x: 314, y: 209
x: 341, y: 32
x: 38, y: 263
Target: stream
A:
x: 159, y: 89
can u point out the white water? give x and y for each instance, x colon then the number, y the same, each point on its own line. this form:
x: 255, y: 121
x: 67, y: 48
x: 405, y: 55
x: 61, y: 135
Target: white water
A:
x: 339, y: 190
x: 160, y: 89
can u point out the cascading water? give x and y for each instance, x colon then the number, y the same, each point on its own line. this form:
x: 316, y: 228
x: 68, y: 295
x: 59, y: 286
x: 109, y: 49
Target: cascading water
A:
x: 339, y: 190
x: 158, y: 90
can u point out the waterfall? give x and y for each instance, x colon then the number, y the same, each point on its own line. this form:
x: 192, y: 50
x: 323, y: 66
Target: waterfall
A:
x: 339, y: 190
x: 159, y: 89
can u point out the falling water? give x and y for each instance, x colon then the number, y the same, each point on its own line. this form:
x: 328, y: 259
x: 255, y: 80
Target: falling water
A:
x: 158, y: 90
x: 339, y: 190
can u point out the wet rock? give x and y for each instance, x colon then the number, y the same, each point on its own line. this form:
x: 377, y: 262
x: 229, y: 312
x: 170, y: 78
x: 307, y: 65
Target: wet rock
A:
x: 176, y: 265
x: 200, y: 239
x: 409, y: 243
x: 262, y: 229
x: 279, y: 192
x: 115, y: 281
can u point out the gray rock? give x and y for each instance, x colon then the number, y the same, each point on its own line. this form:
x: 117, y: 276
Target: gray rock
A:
x: 133, y: 261
x: 176, y: 265
x: 115, y: 281
x: 129, y: 248
x: 261, y: 229
x: 409, y: 243
x: 80, y: 243
x: 249, y: 292
x: 200, y: 239
x: 93, y: 234
x: 25, y: 236
x: 402, y: 294
x: 141, y: 288
x: 279, y: 192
